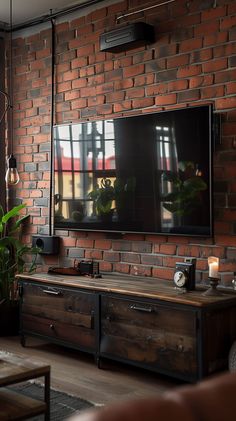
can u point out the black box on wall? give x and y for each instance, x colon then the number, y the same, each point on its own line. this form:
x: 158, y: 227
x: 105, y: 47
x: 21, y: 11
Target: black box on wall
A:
x: 49, y: 244
x: 131, y: 35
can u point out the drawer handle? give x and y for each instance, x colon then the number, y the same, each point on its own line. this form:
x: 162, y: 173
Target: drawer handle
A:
x: 52, y: 327
x: 51, y: 292
x: 140, y: 308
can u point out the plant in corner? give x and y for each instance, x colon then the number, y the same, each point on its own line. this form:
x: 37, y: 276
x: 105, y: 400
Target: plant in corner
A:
x: 12, y: 261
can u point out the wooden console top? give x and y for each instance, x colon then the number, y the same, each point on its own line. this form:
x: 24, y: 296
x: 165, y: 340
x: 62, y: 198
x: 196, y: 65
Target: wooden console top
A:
x: 134, y: 286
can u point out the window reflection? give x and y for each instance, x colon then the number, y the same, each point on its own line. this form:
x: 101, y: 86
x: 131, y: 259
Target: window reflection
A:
x: 84, y: 153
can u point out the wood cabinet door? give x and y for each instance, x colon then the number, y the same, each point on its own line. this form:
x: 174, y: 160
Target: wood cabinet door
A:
x: 60, y: 313
x: 159, y: 336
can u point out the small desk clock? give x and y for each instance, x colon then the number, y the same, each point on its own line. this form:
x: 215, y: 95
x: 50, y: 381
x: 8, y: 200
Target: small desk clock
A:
x: 184, y: 276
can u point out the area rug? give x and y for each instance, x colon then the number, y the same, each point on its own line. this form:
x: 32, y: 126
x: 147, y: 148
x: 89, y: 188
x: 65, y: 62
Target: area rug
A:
x: 62, y: 405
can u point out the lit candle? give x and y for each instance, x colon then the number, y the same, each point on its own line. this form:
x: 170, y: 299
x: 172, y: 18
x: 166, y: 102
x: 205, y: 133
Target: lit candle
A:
x: 213, y: 263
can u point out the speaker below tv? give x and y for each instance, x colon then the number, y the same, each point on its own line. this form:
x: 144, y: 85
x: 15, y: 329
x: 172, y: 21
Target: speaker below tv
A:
x: 46, y: 243
x: 149, y: 173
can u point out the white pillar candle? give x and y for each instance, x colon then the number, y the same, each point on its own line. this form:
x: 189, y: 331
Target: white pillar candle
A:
x: 213, y: 263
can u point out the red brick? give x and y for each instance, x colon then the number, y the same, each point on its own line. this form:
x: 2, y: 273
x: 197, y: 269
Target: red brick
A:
x: 96, y: 100
x: 69, y: 242
x: 190, y: 45
x: 189, y: 95
x: 37, y: 65
x: 62, y: 27
x: 87, y: 71
x: 93, y: 254
x: 170, y: 261
x: 122, y: 106
x: 111, y: 256
x: 46, y: 52
x: 179, y: 60
x: 79, y: 62
x: 71, y: 115
x: 103, y: 244
x: 189, y: 71
x: 72, y: 74
x: 105, y: 109
x: 77, y: 22
x: 85, y: 243
x: 178, y: 85
x: 121, y: 267
x: 142, y: 103
x: 212, y: 13
x: 88, y: 91
x: 135, y: 93
x: 222, y: 227
x: 154, y: 90
x: 225, y: 103
x: 123, y: 84
x: 115, y: 96
x: 228, y: 22
x: 197, y: 81
x: 79, y: 103
x: 144, y: 80
x: 215, y: 38
x: 139, y: 270
x: 79, y: 83
x: 206, y: 28
x: 106, y: 87
x: 105, y: 267
x: 26, y: 104
x: 85, y: 51
x: 231, y: 88
x: 215, y: 65
x: 38, y: 221
x: 225, y: 240
x: 168, y: 248
x: 166, y: 99
x: 133, y: 70
x: 212, y: 92
x: 63, y: 87
x: 163, y: 273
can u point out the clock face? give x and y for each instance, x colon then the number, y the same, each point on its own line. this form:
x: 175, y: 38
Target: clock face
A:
x: 180, y: 278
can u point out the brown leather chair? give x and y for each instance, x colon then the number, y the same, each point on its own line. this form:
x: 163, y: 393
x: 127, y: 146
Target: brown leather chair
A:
x: 213, y: 399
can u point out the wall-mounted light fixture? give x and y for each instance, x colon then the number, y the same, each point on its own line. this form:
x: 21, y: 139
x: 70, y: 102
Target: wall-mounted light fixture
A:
x: 12, y: 175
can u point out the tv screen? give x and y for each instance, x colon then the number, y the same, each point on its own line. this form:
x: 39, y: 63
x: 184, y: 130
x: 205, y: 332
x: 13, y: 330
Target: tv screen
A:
x: 149, y: 173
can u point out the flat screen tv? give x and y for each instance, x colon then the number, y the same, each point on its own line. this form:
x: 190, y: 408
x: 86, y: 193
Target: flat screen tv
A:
x: 148, y: 173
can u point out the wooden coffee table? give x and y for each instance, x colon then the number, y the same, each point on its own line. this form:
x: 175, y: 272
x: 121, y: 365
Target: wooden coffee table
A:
x: 14, y: 405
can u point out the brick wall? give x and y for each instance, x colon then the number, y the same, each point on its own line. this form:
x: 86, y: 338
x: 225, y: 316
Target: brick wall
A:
x: 193, y: 61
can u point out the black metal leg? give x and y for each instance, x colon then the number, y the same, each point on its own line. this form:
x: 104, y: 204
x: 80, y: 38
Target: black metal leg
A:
x: 47, y: 395
x: 98, y: 361
x: 22, y: 340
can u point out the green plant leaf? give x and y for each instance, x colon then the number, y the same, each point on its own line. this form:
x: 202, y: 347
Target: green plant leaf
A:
x: 13, y: 212
x: 18, y: 223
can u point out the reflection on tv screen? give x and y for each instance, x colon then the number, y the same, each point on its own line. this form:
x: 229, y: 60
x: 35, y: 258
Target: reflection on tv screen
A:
x: 149, y: 173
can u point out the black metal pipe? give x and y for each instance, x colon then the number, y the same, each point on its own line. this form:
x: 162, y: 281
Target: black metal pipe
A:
x: 52, y: 123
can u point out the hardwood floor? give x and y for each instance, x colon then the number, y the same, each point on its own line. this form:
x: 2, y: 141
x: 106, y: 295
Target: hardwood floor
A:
x: 76, y: 373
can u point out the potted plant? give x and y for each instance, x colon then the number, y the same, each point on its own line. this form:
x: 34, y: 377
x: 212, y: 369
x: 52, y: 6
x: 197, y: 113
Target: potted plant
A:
x: 103, y: 197
x: 186, y: 187
x: 12, y: 261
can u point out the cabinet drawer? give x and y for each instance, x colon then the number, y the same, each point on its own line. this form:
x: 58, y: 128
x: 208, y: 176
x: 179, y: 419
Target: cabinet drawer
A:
x: 150, y: 334
x: 59, y: 313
